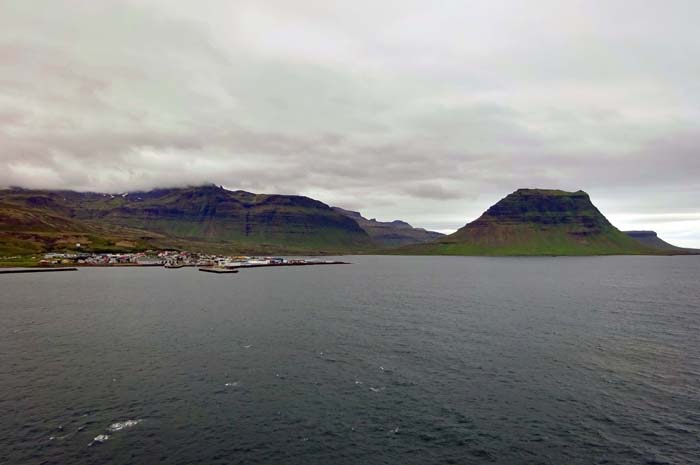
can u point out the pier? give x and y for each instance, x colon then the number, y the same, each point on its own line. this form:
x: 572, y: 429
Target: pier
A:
x: 235, y: 268
x: 267, y: 265
x: 36, y: 270
x: 219, y: 270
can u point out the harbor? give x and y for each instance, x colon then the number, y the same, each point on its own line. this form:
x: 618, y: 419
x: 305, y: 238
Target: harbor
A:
x: 167, y: 259
x: 174, y: 259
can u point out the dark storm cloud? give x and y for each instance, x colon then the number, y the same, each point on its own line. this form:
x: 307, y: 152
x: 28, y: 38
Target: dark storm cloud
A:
x: 428, y: 114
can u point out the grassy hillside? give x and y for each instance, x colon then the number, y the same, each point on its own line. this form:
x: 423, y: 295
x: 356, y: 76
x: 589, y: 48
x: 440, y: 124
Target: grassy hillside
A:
x: 213, y: 219
x: 530, y: 240
x: 37, y: 229
x: 537, y: 222
x: 206, y: 218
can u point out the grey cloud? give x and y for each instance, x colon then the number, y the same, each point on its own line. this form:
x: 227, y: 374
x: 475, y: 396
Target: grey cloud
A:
x: 668, y: 218
x: 432, y: 190
x: 429, y: 115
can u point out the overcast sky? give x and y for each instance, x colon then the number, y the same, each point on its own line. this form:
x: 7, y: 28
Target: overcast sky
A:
x: 424, y: 111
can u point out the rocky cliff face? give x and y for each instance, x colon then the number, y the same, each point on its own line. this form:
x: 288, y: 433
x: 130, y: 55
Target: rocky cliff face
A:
x: 543, y: 209
x: 391, y: 233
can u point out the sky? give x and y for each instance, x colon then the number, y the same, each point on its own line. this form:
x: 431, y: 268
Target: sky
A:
x: 428, y: 112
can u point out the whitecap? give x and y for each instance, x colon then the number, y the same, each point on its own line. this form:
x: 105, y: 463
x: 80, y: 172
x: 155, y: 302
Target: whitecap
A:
x: 234, y: 384
x: 120, y: 425
x: 99, y: 439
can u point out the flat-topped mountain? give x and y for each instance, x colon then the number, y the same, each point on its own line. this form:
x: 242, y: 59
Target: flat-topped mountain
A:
x: 651, y: 239
x: 200, y: 217
x: 537, y: 222
x: 391, y: 233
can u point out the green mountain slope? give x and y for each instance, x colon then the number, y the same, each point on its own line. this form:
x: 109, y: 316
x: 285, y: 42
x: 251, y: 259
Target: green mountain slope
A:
x: 537, y: 222
x: 202, y: 218
x: 34, y: 230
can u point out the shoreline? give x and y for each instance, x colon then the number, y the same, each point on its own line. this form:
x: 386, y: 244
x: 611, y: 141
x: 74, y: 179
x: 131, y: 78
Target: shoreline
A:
x: 6, y: 267
x: 45, y: 269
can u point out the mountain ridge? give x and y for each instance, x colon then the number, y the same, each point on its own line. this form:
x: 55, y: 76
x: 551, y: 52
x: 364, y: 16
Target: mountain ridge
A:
x: 652, y: 239
x: 537, y: 222
x: 200, y: 217
x: 214, y: 219
x: 389, y: 234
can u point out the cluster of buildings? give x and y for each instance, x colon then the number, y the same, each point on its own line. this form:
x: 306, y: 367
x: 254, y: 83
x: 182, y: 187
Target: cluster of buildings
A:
x: 167, y: 258
x: 85, y: 258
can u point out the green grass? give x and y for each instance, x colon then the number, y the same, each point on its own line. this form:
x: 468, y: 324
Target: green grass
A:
x: 530, y: 241
x: 204, y: 218
x: 19, y: 261
x: 230, y: 236
x: 531, y: 222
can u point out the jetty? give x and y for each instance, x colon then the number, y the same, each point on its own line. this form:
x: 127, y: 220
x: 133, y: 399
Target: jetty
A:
x: 219, y: 270
x: 36, y: 270
x: 292, y: 263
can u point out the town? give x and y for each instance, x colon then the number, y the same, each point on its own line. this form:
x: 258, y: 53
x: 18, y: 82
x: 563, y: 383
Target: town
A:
x: 173, y: 259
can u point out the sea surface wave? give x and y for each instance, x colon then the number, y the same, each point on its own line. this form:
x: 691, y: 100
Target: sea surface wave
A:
x: 395, y: 360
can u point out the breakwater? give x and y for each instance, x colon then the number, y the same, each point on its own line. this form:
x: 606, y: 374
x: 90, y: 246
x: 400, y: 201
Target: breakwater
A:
x: 36, y: 270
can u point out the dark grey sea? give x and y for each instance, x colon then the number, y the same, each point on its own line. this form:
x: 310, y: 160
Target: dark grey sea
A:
x: 389, y: 360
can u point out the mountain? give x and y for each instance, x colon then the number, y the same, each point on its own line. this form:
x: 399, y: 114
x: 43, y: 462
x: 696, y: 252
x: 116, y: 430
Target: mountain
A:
x: 32, y: 225
x: 651, y: 239
x: 391, y: 233
x: 200, y: 218
x: 537, y: 222
x: 214, y: 219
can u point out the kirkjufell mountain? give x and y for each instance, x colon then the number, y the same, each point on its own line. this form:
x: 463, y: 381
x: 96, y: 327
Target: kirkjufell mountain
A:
x: 537, y: 222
